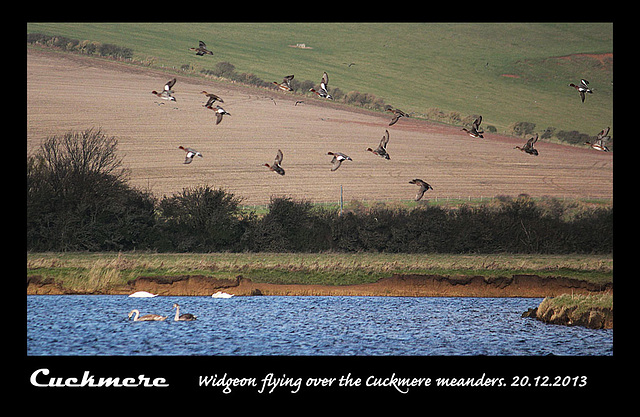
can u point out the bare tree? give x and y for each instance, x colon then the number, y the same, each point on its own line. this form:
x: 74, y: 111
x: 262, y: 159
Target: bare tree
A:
x: 82, y: 153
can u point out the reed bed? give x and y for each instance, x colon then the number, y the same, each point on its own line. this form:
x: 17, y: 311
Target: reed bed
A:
x: 580, y: 302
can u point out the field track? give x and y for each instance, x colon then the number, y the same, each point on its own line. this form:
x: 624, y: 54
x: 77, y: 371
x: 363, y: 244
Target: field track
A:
x: 71, y: 92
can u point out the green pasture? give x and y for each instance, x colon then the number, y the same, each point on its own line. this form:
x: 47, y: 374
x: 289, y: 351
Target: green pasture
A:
x: 84, y: 270
x: 417, y: 67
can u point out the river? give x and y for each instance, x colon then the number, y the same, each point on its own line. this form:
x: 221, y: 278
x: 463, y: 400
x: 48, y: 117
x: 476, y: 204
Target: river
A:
x: 72, y: 325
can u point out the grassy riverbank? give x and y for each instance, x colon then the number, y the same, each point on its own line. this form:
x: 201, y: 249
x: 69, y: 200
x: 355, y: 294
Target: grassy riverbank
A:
x: 593, y: 311
x: 99, y: 271
x: 581, y: 303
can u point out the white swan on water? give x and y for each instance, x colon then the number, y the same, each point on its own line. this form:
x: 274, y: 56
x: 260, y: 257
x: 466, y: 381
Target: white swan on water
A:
x: 146, y: 317
x: 142, y: 294
x: 182, y: 317
x: 221, y: 294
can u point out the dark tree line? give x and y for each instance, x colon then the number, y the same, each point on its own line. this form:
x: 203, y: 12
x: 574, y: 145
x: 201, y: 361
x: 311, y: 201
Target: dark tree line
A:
x: 78, y: 199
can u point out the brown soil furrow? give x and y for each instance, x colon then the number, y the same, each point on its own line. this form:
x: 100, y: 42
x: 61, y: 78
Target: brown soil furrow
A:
x: 71, y: 92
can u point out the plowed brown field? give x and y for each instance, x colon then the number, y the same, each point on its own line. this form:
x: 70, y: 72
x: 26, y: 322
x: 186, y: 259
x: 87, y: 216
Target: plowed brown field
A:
x: 70, y: 92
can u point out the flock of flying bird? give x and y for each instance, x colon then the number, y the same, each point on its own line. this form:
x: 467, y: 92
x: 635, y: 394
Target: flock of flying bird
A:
x: 338, y: 157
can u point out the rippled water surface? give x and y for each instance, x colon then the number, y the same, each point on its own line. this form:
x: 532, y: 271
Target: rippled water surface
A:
x: 98, y: 325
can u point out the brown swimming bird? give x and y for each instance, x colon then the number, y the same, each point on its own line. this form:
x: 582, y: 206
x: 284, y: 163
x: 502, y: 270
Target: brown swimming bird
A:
x: 475, y: 131
x: 528, y: 147
x: 381, y: 150
x: 338, y: 157
x: 285, y: 85
x: 211, y: 98
x: 201, y: 49
x: 423, y: 187
x: 191, y: 153
x: 276, y: 164
x: 146, y: 317
x: 397, y: 114
x: 182, y: 317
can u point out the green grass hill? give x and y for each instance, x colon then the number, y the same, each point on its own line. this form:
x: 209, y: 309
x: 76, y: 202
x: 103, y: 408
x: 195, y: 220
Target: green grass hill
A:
x: 507, y: 72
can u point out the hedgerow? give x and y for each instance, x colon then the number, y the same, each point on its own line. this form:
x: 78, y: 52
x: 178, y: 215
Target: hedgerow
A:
x: 78, y: 198
x: 84, y: 47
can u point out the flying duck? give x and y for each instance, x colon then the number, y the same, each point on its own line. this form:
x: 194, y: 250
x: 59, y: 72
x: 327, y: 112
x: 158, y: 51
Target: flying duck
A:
x: 604, y: 134
x: 338, y: 157
x: 191, y: 153
x: 475, y: 131
x: 381, y: 150
x: 167, y: 92
x: 324, y: 84
x: 397, y: 114
x: 201, y: 49
x: 219, y: 113
x: 212, y: 98
x: 276, y: 164
x: 423, y: 187
x: 599, y: 145
x: 528, y: 147
x: 582, y: 88
x: 285, y: 85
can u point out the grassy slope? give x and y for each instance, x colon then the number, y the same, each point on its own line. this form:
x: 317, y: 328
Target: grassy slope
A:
x: 104, y: 269
x: 413, y: 66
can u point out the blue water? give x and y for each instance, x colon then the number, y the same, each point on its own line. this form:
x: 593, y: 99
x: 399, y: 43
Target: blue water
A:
x: 247, y: 326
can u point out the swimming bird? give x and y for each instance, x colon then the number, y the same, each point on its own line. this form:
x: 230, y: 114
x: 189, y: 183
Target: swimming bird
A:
x: 397, y: 114
x: 146, y: 317
x: 599, y: 145
x: 201, y: 49
x: 324, y: 85
x: 167, y: 92
x: 142, y: 294
x: 191, y: 153
x: 423, y: 187
x: 220, y: 294
x: 475, y: 131
x: 182, y: 317
x: 211, y: 98
x: 276, y: 164
x: 219, y: 113
x: 338, y: 157
x: 528, y: 147
x: 381, y: 150
x: 582, y: 88
x: 285, y: 85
